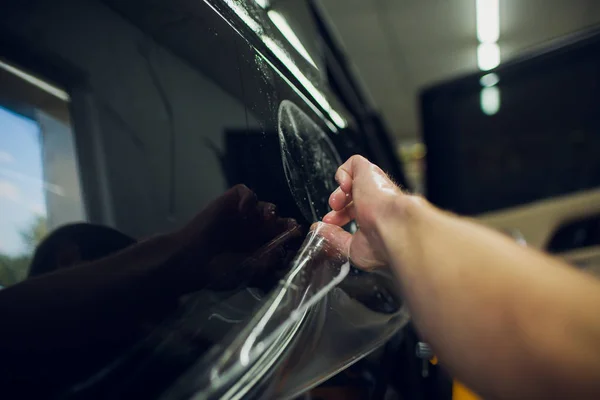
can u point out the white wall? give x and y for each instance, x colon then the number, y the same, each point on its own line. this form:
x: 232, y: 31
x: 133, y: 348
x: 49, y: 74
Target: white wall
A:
x: 60, y: 169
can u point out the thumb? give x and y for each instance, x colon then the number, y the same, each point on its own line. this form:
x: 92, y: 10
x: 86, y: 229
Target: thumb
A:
x: 336, y: 237
x: 356, y: 246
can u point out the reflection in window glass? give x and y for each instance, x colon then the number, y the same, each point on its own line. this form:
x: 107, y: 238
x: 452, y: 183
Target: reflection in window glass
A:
x: 22, y: 201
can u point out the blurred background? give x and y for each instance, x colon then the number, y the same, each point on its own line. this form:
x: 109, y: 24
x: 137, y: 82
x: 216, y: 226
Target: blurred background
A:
x: 399, y: 47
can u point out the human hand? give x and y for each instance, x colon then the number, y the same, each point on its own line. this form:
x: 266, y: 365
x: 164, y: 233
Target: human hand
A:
x: 234, y: 222
x: 221, y: 244
x: 367, y: 195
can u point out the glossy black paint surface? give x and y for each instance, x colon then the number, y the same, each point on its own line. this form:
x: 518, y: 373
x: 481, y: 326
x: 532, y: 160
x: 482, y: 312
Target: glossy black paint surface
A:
x: 174, y: 105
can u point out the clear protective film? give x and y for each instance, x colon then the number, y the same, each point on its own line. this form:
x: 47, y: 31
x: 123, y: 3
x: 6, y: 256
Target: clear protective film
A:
x: 273, y: 321
x: 323, y: 316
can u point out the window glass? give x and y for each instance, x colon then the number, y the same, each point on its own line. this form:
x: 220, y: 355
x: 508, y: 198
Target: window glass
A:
x: 39, y: 176
x: 22, y: 199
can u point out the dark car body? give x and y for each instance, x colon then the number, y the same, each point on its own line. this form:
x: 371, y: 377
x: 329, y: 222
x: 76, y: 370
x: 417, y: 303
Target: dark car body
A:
x: 173, y: 102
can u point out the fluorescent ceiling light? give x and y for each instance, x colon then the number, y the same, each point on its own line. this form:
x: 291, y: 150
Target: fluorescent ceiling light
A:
x: 489, y: 80
x: 43, y: 85
x: 490, y: 100
x: 488, y: 56
x: 488, y: 21
x: 281, y: 24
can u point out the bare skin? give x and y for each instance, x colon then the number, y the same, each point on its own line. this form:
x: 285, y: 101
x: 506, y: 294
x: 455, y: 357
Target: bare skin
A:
x: 508, y: 321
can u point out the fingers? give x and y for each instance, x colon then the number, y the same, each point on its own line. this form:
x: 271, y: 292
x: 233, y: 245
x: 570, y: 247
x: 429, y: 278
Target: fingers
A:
x: 238, y: 199
x: 263, y: 230
x: 247, y: 199
x: 356, y: 246
x: 338, y: 238
x: 348, y: 170
x: 344, y: 179
x: 338, y: 199
x: 265, y: 223
x: 267, y: 211
x: 341, y: 217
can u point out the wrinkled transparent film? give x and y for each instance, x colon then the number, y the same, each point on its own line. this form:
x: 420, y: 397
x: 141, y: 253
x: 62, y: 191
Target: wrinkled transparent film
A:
x: 322, y: 317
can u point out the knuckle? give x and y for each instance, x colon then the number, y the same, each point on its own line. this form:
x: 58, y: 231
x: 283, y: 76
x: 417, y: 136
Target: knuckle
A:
x: 357, y: 158
x: 241, y: 188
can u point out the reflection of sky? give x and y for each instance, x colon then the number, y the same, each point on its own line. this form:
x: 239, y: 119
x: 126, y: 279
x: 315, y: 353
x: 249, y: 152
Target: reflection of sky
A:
x: 21, y: 176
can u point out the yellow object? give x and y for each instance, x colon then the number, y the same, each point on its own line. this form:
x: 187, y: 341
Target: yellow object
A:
x: 460, y: 392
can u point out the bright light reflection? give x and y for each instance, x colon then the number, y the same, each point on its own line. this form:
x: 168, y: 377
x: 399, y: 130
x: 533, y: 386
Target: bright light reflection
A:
x: 281, y: 24
x: 488, y: 56
x: 289, y: 64
x: 244, y: 16
x: 304, y: 81
x: 43, y: 85
x: 338, y: 119
x: 489, y: 80
x: 262, y: 3
x: 490, y: 100
x: 488, y: 21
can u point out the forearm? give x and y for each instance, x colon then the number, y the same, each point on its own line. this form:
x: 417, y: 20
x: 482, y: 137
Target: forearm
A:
x: 90, y: 303
x: 501, y: 316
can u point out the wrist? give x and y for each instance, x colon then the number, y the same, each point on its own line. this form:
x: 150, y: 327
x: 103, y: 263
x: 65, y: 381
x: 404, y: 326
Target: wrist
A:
x: 399, y: 218
x: 401, y: 209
